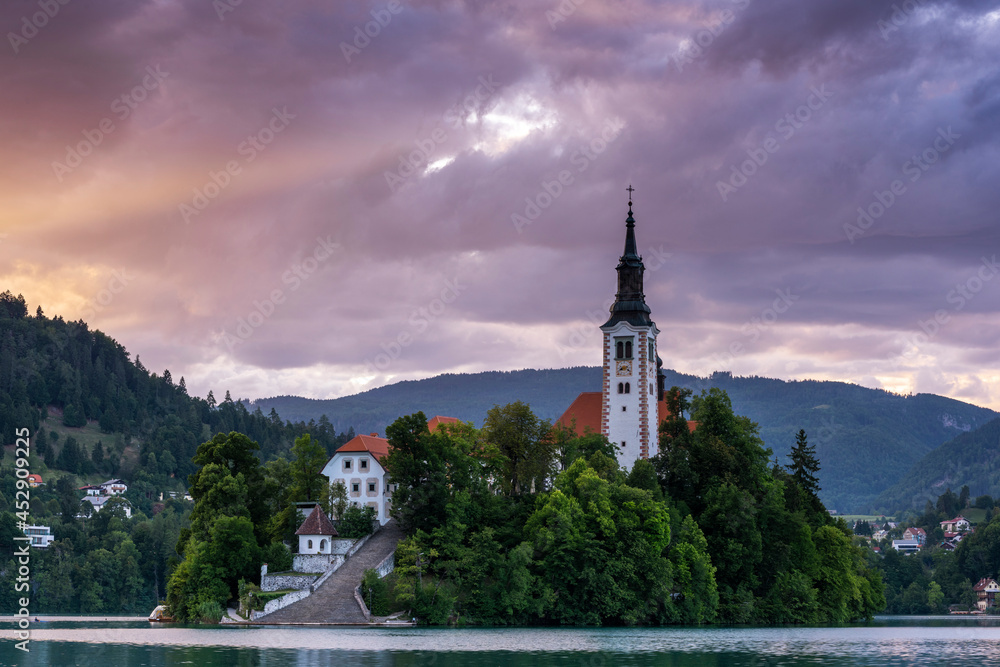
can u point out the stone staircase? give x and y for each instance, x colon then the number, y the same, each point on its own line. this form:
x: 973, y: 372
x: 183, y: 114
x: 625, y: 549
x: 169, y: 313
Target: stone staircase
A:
x: 333, y: 602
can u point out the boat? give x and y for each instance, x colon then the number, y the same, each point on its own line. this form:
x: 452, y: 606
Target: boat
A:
x: 161, y: 615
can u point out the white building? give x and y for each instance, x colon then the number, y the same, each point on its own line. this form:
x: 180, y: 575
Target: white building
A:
x: 316, y: 533
x: 100, y: 502
x: 358, y: 466
x: 906, y: 546
x: 41, y: 536
x: 113, y: 487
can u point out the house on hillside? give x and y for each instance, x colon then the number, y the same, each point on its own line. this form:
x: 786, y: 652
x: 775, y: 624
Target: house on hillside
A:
x: 113, y: 487
x: 41, y: 536
x: 986, y: 593
x: 34, y: 481
x: 914, y: 533
x: 906, y: 546
x: 956, y: 525
x: 100, y: 502
x: 357, y: 464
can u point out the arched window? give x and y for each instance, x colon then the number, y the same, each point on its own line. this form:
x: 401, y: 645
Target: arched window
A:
x: 620, y: 350
x: 628, y: 349
x: 621, y: 388
x: 322, y: 545
x: 310, y: 544
x: 628, y: 388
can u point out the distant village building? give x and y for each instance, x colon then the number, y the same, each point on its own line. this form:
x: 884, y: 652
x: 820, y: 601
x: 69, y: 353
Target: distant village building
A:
x: 34, y: 481
x: 627, y: 409
x: 358, y: 466
x: 906, y: 546
x: 41, y: 536
x: 958, y: 524
x: 316, y: 533
x: 100, y: 502
x: 986, y: 592
x: 113, y: 487
x: 918, y: 534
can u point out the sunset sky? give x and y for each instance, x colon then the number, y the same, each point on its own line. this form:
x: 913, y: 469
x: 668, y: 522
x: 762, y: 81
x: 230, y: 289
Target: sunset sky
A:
x: 318, y: 198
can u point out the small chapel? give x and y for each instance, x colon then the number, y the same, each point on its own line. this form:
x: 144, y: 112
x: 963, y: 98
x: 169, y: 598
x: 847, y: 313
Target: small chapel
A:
x: 628, y: 407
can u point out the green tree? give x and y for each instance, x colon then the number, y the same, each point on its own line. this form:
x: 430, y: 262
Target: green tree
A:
x: 804, y: 465
x: 526, y: 455
x: 307, y: 466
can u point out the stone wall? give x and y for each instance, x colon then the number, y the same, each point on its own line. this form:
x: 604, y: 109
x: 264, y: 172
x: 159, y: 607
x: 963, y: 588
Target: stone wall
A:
x: 280, y: 603
x: 280, y: 582
x: 315, y: 562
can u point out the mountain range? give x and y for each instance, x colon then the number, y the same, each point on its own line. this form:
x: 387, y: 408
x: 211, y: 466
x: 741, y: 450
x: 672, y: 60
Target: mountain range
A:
x: 867, y: 440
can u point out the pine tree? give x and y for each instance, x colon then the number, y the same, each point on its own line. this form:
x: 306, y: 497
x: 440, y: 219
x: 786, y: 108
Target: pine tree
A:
x: 183, y: 386
x: 97, y: 456
x: 210, y: 400
x: 805, y: 465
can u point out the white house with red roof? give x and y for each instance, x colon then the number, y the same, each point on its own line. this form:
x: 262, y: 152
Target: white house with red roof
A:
x: 958, y: 524
x: 358, y: 465
x: 986, y: 593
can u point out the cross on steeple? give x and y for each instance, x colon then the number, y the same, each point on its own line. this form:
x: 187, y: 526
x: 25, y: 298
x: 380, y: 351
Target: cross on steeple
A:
x: 630, y: 191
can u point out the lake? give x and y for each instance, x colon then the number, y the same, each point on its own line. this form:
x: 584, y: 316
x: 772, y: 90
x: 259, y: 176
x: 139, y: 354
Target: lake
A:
x: 947, y: 640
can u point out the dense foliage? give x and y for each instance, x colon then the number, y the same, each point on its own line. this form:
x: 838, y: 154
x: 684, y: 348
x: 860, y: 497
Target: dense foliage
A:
x: 706, y: 532
x: 779, y: 556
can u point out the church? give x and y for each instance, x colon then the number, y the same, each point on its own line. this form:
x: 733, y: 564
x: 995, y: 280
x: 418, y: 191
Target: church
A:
x: 627, y: 409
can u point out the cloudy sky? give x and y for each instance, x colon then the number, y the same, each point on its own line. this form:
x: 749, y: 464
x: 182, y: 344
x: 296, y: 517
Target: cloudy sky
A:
x: 319, y: 197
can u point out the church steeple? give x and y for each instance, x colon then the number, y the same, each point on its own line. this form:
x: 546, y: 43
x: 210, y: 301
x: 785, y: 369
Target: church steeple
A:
x: 630, y: 302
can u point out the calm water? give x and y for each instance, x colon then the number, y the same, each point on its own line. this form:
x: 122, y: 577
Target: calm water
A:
x: 952, y: 641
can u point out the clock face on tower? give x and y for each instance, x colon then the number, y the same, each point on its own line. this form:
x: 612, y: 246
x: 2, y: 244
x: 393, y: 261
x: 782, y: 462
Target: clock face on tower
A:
x: 624, y: 368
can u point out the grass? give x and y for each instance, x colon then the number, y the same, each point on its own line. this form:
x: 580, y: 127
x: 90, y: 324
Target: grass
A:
x: 975, y: 515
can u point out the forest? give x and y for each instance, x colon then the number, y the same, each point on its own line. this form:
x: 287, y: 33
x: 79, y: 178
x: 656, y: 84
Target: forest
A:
x: 95, y: 414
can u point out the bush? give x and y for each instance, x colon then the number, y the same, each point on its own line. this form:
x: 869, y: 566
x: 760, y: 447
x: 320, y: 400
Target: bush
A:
x: 375, y: 593
x: 209, y: 611
x: 357, y: 522
x: 277, y: 556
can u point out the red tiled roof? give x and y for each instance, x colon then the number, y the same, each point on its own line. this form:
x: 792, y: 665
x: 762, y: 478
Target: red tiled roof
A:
x: 435, y: 422
x: 983, y: 583
x: 586, y: 409
x: 316, y: 524
x: 378, y: 447
x: 35, y: 478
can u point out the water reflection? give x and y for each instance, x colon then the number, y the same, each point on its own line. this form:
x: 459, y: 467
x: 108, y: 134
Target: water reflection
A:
x: 956, y: 642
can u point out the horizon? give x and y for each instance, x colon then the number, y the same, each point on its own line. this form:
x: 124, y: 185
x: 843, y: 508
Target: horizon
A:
x: 316, y: 201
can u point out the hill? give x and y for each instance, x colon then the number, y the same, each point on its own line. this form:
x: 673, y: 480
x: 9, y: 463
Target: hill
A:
x: 866, y: 439
x: 971, y: 459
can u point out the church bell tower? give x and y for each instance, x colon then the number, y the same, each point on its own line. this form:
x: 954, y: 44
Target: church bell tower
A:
x: 632, y: 377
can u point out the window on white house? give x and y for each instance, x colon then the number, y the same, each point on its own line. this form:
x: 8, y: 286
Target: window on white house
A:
x: 347, y: 464
x: 310, y: 544
x: 363, y: 464
x: 624, y: 408
x: 354, y: 488
x: 371, y: 487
